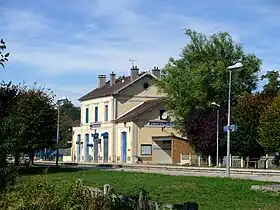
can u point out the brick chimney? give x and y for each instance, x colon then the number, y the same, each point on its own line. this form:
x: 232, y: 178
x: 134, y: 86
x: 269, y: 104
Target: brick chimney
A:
x: 134, y: 73
x: 156, y: 71
x: 102, y: 80
x: 112, y: 78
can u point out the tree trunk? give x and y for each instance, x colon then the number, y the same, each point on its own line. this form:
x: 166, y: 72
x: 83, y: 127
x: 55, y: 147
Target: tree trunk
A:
x: 31, y: 157
x: 17, y: 156
x: 3, y: 161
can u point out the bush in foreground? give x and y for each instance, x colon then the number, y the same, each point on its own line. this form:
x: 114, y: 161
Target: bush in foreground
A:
x: 59, y: 195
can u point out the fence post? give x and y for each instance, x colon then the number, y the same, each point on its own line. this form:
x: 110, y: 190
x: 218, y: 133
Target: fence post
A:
x: 230, y: 160
x: 199, y: 163
x: 266, y: 161
x: 106, y: 189
x: 209, y: 161
x: 142, y: 202
x: 181, y: 158
x: 242, y: 162
x: 190, y: 158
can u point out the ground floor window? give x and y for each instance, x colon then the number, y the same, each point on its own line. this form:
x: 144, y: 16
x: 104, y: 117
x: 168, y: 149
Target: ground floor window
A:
x: 146, y: 149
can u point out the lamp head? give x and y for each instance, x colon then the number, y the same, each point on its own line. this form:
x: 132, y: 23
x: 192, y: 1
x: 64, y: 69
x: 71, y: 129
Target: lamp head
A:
x: 238, y: 65
x: 215, y: 104
x: 61, y: 101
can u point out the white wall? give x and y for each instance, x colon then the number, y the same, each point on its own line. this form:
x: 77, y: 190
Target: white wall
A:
x: 91, y: 104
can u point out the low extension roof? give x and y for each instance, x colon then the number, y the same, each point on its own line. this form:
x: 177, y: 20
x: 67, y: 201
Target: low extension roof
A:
x: 138, y: 110
x: 107, y: 89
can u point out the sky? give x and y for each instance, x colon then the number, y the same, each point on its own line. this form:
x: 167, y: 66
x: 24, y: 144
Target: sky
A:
x: 65, y: 44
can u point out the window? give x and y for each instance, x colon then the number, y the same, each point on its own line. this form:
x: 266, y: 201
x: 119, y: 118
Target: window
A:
x: 161, y: 114
x: 86, y: 117
x: 145, y: 85
x: 96, y: 114
x: 146, y: 149
x: 106, y: 113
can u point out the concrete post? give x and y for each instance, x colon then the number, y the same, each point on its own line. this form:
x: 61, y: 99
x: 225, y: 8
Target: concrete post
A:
x: 242, y: 162
x: 190, y: 158
x: 106, y: 189
x: 266, y: 161
x: 209, y: 161
x: 230, y: 161
x: 181, y: 158
x: 199, y: 160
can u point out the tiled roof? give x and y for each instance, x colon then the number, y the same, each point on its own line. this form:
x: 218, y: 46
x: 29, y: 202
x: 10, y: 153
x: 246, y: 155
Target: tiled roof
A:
x: 138, y: 110
x: 107, y: 90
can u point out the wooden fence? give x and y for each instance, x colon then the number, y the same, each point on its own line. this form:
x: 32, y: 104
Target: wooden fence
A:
x: 263, y: 162
x: 142, y: 202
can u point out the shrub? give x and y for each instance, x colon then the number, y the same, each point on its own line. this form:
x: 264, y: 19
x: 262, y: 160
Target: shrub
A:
x: 39, y: 194
x: 8, y: 177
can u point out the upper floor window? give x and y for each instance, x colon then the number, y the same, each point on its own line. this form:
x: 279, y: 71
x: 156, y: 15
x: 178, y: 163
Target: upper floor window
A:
x: 163, y: 114
x: 96, y: 114
x: 106, y: 113
x: 87, y: 115
x: 146, y: 85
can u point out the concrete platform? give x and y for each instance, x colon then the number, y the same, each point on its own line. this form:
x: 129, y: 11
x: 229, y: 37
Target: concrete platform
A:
x: 273, y: 188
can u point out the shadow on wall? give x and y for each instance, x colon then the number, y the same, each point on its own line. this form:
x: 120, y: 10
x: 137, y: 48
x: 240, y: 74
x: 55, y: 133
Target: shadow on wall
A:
x: 138, y: 87
x: 149, y: 115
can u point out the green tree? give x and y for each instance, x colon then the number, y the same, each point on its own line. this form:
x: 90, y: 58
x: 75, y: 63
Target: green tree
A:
x: 269, y: 136
x: 200, y: 76
x: 3, y: 56
x: 273, y: 86
x: 31, y: 124
x: 70, y: 117
x: 246, y: 114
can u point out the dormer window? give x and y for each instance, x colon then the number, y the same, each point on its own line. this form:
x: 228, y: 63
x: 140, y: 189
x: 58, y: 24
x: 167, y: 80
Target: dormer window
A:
x: 163, y: 114
x: 145, y: 85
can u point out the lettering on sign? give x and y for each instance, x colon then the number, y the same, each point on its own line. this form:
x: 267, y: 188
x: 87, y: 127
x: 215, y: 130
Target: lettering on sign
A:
x: 95, y: 125
x: 160, y: 124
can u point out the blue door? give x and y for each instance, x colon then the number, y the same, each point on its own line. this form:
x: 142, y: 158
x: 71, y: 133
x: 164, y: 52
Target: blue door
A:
x: 124, y: 146
x: 105, y: 147
x: 95, y: 147
x: 78, y: 147
x: 87, y: 147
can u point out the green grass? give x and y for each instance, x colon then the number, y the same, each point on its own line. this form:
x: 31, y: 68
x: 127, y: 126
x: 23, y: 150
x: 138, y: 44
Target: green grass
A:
x: 209, y: 193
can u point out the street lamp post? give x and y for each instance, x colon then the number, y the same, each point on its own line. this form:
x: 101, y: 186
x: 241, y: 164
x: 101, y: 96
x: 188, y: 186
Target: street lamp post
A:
x: 58, y: 103
x: 230, y: 68
x: 217, y: 136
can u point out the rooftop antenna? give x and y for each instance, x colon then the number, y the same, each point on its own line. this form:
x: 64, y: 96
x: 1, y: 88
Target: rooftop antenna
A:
x: 132, y: 62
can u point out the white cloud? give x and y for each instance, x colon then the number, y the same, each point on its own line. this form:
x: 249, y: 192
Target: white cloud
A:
x: 52, y: 49
x: 150, y: 41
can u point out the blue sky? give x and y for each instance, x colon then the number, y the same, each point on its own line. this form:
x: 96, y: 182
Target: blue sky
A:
x: 65, y: 44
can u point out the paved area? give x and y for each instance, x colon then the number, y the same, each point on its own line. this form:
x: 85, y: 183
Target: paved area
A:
x: 259, y: 175
x: 269, y: 178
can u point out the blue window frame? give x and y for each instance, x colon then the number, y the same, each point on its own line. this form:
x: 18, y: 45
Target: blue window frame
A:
x: 96, y: 114
x: 87, y: 115
x: 106, y: 113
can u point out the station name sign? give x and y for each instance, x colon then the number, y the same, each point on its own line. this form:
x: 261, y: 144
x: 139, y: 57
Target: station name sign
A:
x: 95, y: 125
x: 160, y: 124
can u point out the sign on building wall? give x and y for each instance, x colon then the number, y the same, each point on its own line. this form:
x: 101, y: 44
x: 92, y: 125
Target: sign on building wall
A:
x: 95, y: 125
x: 160, y: 124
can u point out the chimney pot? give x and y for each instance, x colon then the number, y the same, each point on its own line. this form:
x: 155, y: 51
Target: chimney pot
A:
x: 134, y: 73
x: 156, y: 71
x: 102, y: 80
x: 112, y: 78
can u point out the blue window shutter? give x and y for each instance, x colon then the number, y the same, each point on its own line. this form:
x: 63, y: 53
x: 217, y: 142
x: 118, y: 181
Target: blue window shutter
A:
x: 96, y: 114
x: 106, y: 113
x: 87, y: 110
